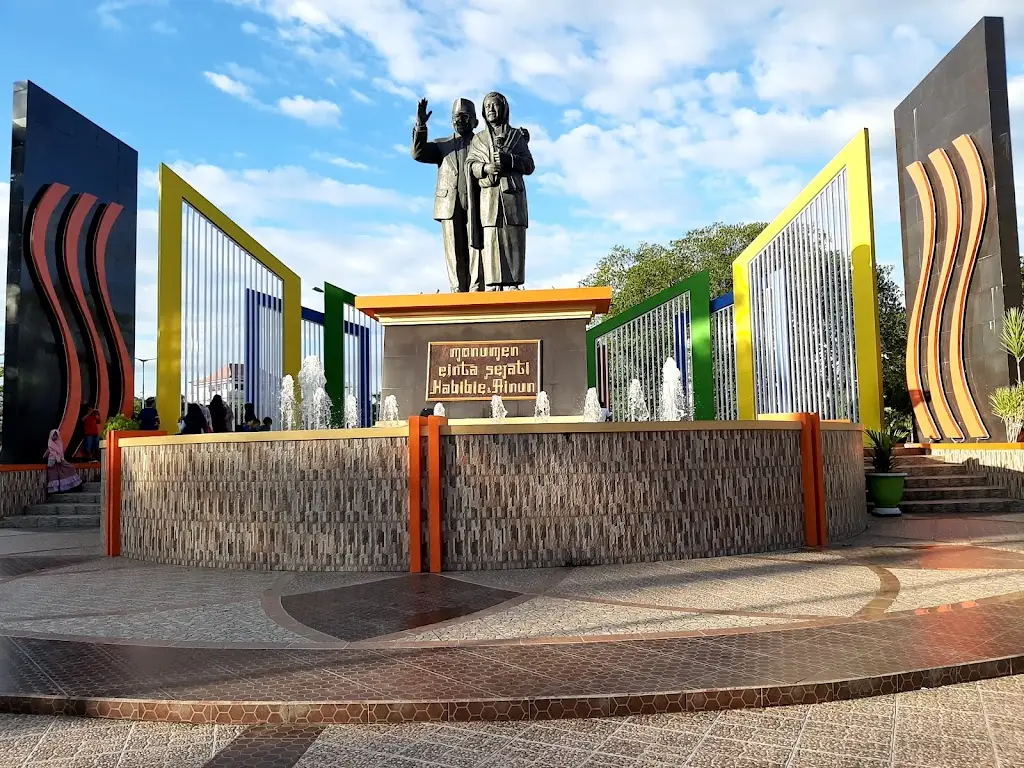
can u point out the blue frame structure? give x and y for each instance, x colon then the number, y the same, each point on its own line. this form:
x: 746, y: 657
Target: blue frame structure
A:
x: 360, y: 334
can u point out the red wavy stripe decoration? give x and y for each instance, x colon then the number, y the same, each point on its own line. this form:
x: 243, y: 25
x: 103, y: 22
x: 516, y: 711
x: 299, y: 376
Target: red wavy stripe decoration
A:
x: 72, y: 242
x: 107, y: 220
x: 37, y: 248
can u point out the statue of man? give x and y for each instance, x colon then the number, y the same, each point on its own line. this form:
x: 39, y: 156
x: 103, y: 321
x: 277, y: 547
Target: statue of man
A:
x: 452, y: 196
x: 499, y: 158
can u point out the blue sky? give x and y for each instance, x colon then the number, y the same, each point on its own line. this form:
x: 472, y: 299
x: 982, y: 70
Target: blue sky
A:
x: 647, y: 118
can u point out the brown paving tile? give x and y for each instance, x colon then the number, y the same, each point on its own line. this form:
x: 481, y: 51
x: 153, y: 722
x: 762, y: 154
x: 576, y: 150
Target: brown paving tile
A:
x: 266, y: 746
x: 364, y: 611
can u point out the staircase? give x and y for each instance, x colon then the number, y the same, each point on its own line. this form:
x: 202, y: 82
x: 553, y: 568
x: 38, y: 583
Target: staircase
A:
x: 936, y: 488
x: 76, y: 509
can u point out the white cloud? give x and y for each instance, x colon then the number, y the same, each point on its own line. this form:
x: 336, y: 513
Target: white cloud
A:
x: 249, y: 28
x: 230, y: 86
x: 341, y: 162
x: 277, y: 194
x: 162, y: 27
x: 360, y: 96
x: 571, y: 116
x: 383, y: 84
x: 109, y: 11
x: 244, y: 74
x: 315, y: 112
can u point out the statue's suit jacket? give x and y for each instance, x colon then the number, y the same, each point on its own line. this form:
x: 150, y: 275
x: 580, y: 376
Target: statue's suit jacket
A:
x: 449, y: 155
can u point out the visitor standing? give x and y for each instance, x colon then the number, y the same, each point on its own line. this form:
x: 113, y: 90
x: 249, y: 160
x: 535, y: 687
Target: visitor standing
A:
x: 149, y: 419
x: 60, y: 475
x: 250, y: 421
x: 218, y: 414
x: 194, y: 422
x: 91, y: 433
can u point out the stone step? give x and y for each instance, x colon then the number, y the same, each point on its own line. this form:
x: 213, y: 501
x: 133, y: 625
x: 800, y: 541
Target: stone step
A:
x: 918, y: 461
x: 48, y: 508
x: 945, y: 481
x: 91, y: 487
x: 80, y: 497
x: 987, y: 506
x: 51, y: 521
x: 939, y: 470
x: 940, y: 493
x: 915, y: 450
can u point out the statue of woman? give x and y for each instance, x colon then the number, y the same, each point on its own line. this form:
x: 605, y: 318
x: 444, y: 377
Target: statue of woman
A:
x: 499, y: 157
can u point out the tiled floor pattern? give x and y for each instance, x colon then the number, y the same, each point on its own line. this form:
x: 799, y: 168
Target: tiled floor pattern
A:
x: 973, y: 725
x: 56, y: 585
x: 189, y: 644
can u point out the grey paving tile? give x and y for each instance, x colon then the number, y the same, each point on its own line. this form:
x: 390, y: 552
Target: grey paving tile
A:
x: 941, y: 752
x: 726, y: 753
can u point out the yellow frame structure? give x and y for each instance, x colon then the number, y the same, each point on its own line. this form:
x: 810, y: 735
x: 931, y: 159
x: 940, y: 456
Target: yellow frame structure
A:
x: 173, y: 192
x: 856, y: 158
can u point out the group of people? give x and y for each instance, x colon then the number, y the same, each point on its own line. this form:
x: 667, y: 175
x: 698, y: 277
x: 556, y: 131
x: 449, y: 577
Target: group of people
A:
x: 218, y: 417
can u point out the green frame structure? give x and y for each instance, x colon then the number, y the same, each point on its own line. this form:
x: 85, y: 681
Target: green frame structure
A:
x: 335, y: 299
x: 700, y: 370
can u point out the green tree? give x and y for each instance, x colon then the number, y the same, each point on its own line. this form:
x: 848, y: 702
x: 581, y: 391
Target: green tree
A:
x: 892, y: 328
x: 638, y: 273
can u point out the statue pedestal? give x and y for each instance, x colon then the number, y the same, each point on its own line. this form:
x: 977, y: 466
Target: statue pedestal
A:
x: 459, y: 349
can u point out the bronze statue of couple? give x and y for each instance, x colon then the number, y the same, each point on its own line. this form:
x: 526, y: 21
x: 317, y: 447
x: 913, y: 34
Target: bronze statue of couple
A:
x: 480, y: 198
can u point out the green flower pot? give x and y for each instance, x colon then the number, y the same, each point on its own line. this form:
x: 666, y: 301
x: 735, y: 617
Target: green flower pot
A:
x: 886, y: 491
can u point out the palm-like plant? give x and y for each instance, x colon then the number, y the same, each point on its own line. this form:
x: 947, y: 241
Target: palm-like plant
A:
x: 1012, y: 338
x: 883, y: 443
x: 1008, y: 407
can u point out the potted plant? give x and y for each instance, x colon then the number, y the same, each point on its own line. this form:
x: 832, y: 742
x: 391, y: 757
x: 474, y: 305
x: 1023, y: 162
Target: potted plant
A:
x: 885, y: 486
x: 1008, y: 407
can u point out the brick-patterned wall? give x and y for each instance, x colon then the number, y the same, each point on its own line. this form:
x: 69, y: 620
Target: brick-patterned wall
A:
x: 521, y: 500
x: 1000, y: 468
x: 845, y: 504
x: 319, y: 505
x: 21, y: 487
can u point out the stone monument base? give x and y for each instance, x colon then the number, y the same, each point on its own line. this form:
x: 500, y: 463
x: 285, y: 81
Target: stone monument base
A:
x: 499, y: 334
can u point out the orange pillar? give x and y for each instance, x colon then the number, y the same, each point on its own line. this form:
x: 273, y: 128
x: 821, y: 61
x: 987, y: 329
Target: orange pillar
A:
x: 812, y: 471
x: 112, y: 511
x: 415, y: 495
x: 434, y: 468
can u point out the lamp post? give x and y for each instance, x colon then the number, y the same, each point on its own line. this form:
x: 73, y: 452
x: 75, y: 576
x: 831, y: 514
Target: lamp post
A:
x: 144, y: 360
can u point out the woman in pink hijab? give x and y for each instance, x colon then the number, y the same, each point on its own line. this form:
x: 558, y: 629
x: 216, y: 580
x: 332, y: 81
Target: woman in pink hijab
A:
x: 60, y: 475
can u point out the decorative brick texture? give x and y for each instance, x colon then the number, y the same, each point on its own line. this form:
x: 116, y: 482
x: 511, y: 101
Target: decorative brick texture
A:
x: 22, y: 487
x: 317, y: 505
x: 843, y: 459
x: 1004, y: 469
x: 526, y: 500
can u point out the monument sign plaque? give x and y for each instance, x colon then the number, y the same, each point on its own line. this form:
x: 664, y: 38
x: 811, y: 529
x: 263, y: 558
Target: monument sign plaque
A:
x: 478, y: 370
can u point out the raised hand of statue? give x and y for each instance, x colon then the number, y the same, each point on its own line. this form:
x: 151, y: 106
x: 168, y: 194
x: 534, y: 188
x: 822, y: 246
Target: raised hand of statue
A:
x: 492, y: 169
x: 422, y: 115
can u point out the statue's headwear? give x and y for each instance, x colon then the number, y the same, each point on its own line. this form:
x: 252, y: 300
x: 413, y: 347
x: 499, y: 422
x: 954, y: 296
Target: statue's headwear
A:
x: 463, y: 105
x: 500, y: 97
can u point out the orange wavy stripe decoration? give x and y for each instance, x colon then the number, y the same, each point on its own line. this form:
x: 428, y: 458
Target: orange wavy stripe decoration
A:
x: 954, y: 222
x: 922, y: 414
x: 72, y: 240
x: 107, y: 219
x: 978, y: 191
x: 37, y: 249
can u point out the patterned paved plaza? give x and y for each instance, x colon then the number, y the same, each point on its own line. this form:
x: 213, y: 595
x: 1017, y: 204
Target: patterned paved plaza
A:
x: 267, y: 661
x: 973, y: 725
